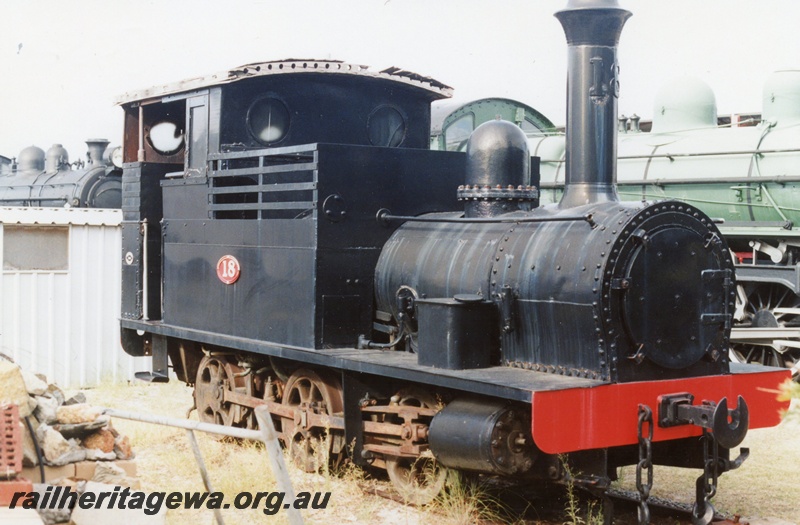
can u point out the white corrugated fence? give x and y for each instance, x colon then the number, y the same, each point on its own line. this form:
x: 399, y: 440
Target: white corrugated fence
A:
x: 60, y: 289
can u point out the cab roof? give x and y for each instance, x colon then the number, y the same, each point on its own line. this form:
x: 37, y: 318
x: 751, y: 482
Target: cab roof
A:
x: 435, y: 88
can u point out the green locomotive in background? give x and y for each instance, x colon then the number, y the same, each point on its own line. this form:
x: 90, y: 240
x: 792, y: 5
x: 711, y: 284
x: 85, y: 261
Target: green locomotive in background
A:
x: 742, y: 170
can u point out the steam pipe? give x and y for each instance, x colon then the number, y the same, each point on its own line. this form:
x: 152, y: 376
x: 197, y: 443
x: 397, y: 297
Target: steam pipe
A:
x: 592, y: 28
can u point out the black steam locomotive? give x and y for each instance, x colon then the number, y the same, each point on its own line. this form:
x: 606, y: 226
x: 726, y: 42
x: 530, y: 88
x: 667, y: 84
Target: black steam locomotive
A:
x: 36, y: 178
x: 288, y: 241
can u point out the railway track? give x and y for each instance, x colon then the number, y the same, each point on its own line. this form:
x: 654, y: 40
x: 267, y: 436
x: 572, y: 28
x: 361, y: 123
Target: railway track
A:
x: 547, y: 506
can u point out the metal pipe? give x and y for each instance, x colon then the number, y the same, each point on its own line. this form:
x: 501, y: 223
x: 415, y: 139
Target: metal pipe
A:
x: 383, y: 217
x: 140, y: 154
x: 275, y: 457
x: 778, y: 179
x: 36, y: 447
x: 198, y: 456
x: 241, y: 433
x: 697, y: 154
x: 592, y: 28
x: 145, y: 277
x: 266, y: 435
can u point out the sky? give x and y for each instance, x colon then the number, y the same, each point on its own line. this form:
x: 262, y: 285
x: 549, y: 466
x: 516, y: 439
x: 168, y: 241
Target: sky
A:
x: 65, y: 62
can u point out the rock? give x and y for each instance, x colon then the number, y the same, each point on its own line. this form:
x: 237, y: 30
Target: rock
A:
x: 78, y: 413
x: 93, y: 454
x: 56, y: 393
x: 74, y: 484
x: 29, y: 457
x: 80, y: 397
x: 114, y: 475
x: 81, y: 430
x: 50, y: 516
x: 54, y: 516
x: 86, y: 469
x: 12, y: 387
x: 122, y: 448
x: 34, y: 385
x: 46, y: 409
x: 57, y: 450
x: 102, y: 440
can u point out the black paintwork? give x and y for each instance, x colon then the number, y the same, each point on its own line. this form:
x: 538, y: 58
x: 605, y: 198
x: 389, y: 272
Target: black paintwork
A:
x: 305, y: 281
x: 626, y: 292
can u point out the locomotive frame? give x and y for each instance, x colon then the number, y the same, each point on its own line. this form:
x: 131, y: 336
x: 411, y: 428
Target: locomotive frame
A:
x: 290, y: 242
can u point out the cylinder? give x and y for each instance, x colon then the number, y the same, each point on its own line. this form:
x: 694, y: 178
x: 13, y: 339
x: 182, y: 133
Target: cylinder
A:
x: 592, y: 28
x: 482, y: 436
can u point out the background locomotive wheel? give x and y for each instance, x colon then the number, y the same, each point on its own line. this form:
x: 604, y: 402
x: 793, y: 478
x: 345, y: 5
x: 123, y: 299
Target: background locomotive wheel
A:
x: 311, y: 446
x: 214, y: 376
x: 770, y: 306
x: 417, y: 480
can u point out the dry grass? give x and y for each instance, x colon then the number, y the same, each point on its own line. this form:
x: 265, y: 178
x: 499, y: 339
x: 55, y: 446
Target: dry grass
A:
x: 767, y: 485
x: 165, y: 463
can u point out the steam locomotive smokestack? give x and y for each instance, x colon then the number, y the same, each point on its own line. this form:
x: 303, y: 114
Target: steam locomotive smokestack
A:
x: 96, y: 147
x: 592, y: 28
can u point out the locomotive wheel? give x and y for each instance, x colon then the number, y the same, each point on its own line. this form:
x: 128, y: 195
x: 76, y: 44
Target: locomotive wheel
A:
x: 310, y: 447
x: 214, y: 376
x: 417, y: 480
x: 770, y: 305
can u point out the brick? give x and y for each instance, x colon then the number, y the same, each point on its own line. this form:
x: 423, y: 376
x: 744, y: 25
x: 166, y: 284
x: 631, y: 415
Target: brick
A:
x: 50, y: 473
x: 85, y: 469
x: 10, y: 442
x: 8, y: 488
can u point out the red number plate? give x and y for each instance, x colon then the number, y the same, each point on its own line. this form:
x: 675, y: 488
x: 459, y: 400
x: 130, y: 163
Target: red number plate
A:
x: 228, y: 269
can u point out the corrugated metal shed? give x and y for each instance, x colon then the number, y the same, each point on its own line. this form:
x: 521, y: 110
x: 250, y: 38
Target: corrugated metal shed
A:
x: 60, y: 290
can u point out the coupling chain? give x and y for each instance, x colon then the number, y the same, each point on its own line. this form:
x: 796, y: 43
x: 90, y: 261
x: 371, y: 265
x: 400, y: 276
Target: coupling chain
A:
x: 710, y: 465
x: 645, y: 464
x: 703, y: 511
